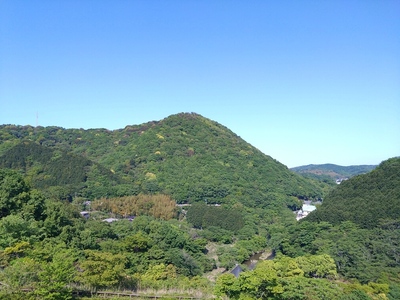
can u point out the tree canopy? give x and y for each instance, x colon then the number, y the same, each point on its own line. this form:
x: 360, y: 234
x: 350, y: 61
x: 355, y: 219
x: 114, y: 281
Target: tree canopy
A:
x: 367, y: 200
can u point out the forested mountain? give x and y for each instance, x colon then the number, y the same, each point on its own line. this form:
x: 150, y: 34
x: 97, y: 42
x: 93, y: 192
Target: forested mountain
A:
x: 186, y: 156
x: 367, y: 200
x: 332, y: 172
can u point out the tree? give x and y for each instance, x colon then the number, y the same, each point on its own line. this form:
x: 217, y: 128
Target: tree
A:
x: 228, y: 285
x: 14, y: 229
x: 301, y: 288
x: 317, y: 266
x: 58, y: 215
x: 196, y: 213
x: 262, y: 283
x: 287, y: 267
x: 102, y: 269
x: 23, y: 273
x: 138, y: 242
x: 14, y: 192
x: 157, y: 274
x: 55, y: 277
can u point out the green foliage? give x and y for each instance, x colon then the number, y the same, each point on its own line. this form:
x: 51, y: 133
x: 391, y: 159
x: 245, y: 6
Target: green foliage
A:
x: 364, y: 254
x: 21, y: 274
x: 195, y: 214
x: 227, y: 284
x: 296, y: 288
x: 13, y: 192
x: 285, y: 279
x: 317, y: 266
x: 138, y: 242
x: 58, y: 214
x: 216, y: 234
x: 102, y: 269
x: 394, y: 292
x: 59, y: 173
x: 191, y: 158
x: 239, y: 199
x: 47, y: 278
x: 14, y: 229
x: 157, y: 275
x: 55, y: 277
x: 365, y: 199
x: 204, y: 216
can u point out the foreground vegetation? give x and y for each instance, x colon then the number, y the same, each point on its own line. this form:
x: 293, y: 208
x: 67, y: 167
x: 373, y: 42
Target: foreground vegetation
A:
x: 49, y: 251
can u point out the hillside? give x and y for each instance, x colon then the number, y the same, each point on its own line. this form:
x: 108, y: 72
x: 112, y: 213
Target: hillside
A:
x: 62, y: 174
x: 366, y: 200
x: 186, y: 156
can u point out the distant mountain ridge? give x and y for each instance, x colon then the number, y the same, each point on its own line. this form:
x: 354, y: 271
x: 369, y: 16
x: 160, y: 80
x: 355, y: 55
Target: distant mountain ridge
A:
x: 326, y: 172
x: 187, y: 156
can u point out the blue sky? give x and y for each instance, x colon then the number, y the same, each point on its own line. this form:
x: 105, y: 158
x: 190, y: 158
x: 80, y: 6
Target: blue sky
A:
x: 303, y: 81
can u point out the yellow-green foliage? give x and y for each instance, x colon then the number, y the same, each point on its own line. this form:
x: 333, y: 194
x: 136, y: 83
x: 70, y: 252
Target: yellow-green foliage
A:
x: 322, y: 266
x: 159, y: 206
x: 294, y: 278
x: 154, y: 276
x: 101, y: 269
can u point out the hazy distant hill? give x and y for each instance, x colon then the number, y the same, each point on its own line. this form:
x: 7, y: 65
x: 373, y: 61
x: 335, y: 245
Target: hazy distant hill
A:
x: 331, y: 172
x: 367, y: 199
x: 185, y: 155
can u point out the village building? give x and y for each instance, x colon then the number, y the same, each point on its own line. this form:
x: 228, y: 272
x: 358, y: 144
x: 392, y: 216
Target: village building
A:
x: 305, y: 210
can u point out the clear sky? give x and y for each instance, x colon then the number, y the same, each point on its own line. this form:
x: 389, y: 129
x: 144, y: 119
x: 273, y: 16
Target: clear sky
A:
x: 303, y: 81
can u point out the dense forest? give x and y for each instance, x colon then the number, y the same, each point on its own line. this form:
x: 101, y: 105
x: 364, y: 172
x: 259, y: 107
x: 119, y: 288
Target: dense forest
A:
x: 367, y: 200
x: 170, y: 207
x: 186, y: 156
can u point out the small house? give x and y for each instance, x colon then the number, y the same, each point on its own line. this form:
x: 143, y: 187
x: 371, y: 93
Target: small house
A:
x: 110, y: 220
x: 84, y: 214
